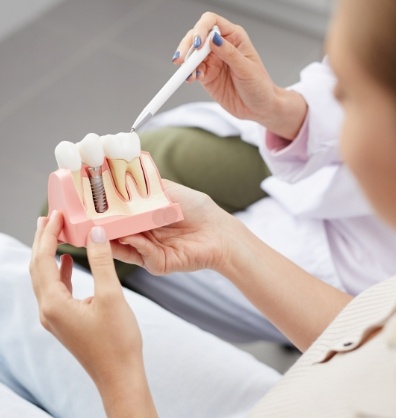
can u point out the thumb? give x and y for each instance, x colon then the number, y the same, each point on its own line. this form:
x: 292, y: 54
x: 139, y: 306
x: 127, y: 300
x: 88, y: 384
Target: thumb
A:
x: 100, y: 259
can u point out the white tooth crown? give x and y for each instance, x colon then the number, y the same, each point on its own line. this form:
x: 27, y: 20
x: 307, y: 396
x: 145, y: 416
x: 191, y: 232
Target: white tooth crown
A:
x: 123, y: 146
x: 91, y: 150
x: 123, y: 152
x: 68, y: 156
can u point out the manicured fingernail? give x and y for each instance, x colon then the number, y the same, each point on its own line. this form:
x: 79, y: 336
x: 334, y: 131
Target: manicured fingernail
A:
x: 198, y: 73
x: 98, y: 235
x: 197, y: 41
x: 176, y: 55
x: 217, y: 39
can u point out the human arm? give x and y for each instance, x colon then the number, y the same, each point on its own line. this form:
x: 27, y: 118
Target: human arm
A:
x: 100, y: 331
x: 300, y: 305
x: 317, y: 143
x: 319, y: 180
x: 234, y: 76
x: 306, y: 112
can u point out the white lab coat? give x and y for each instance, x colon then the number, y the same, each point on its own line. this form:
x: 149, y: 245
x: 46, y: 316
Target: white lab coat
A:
x: 316, y: 215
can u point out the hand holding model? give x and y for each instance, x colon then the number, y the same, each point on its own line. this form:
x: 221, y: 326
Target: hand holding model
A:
x: 100, y: 331
x: 235, y: 77
x: 193, y: 244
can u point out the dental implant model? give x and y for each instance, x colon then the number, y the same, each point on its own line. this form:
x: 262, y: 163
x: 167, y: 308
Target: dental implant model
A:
x: 92, y: 155
x: 68, y: 156
x: 123, y: 152
x: 108, y: 181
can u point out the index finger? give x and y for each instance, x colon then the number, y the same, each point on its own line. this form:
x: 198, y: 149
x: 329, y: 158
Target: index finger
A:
x: 48, y: 238
x: 44, y: 249
x: 206, y: 23
x: 199, y: 33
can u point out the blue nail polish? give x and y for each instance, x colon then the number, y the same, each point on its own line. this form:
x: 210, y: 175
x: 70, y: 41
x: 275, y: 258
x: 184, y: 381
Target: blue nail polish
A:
x: 176, y: 55
x: 197, y: 41
x: 198, y: 73
x: 217, y: 39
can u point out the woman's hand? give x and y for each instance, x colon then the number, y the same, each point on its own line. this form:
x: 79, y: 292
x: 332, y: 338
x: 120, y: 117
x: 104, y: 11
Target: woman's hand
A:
x: 235, y: 77
x: 100, y: 331
x: 199, y: 241
x: 209, y: 237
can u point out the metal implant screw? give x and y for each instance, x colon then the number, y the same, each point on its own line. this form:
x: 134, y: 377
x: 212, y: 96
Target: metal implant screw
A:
x: 98, y: 190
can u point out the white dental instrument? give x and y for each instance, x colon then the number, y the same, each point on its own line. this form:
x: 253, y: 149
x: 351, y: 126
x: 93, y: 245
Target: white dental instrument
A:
x: 193, y: 58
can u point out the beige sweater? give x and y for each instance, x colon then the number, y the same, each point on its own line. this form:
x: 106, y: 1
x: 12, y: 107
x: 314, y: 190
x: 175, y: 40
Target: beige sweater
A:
x: 349, y: 371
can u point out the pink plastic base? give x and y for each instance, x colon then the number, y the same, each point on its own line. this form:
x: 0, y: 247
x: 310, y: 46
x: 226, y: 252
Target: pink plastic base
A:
x: 63, y: 196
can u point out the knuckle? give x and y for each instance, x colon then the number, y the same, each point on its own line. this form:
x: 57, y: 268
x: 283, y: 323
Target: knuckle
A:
x: 110, y: 297
x: 36, y: 263
x: 48, y: 313
x: 99, y: 257
x: 107, y: 301
x: 44, y: 321
x: 31, y: 267
x: 240, y: 30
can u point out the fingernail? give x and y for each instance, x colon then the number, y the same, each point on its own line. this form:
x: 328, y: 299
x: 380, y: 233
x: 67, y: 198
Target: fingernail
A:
x: 217, y: 39
x: 98, y: 235
x: 176, y: 55
x: 189, y: 77
x: 198, y: 73
x: 197, y: 41
x: 40, y: 221
x: 53, y: 214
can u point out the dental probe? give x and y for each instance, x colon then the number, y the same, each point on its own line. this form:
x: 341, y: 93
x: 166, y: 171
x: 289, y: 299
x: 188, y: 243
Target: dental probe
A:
x: 193, y: 58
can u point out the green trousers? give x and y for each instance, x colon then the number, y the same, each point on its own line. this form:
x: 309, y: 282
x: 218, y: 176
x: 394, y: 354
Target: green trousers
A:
x: 227, y: 169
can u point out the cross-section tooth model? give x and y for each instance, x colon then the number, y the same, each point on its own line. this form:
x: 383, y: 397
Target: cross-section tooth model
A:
x: 123, y: 152
x: 108, y: 181
x: 92, y: 154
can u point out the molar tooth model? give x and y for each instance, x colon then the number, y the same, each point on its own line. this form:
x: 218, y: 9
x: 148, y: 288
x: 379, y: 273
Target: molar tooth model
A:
x: 108, y: 181
x: 123, y: 151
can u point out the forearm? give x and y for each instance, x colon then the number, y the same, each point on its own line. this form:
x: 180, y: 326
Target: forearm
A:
x: 287, y: 114
x: 127, y: 394
x: 298, y: 304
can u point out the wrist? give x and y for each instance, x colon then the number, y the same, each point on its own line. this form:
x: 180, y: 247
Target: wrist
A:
x: 288, y: 112
x: 234, y: 249
x: 126, y: 393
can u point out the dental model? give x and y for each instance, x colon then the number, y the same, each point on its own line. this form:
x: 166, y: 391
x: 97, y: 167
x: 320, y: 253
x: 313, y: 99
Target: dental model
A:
x: 123, y: 152
x: 67, y: 156
x: 108, y: 181
x: 92, y: 154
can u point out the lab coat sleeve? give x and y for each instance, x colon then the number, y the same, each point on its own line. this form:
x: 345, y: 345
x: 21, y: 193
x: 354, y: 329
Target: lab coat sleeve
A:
x: 309, y: 177
x: 317, y: 144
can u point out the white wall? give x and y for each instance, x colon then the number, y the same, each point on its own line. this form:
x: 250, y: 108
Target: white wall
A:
x: 16, y: 13
x: 306, y: 15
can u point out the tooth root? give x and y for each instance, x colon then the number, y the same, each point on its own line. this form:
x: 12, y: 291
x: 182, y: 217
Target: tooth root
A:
x: 118, y: 170
x: 135, y: 168
x: 78, y: 183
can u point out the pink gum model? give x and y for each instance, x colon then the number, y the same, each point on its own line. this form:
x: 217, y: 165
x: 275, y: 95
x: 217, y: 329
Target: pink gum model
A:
x: 122, y: 218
